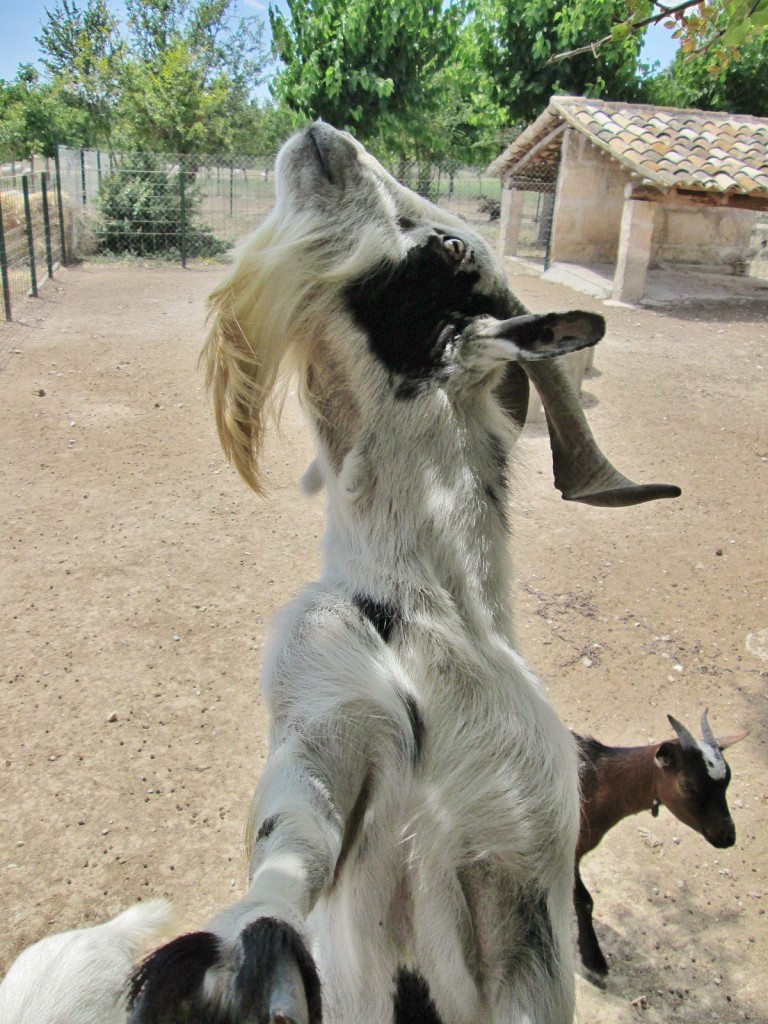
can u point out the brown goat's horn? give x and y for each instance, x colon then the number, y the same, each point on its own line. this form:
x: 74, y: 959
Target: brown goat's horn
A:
x: 727, y: 741
x: 687, y: 740
x: 582, y: 472
x: 706, y: 731
x: 709, y: 737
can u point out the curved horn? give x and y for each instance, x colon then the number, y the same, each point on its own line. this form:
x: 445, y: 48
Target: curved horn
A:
x: 582, y: 472
x: 727, y: 741
x: 706, y: 731
x: 687, y: 740
x: 709, y: 738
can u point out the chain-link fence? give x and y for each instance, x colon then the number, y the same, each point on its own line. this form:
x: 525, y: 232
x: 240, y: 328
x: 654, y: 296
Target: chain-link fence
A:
x: 537, y: 182
x: 92, y: 203
x: 34, y: 225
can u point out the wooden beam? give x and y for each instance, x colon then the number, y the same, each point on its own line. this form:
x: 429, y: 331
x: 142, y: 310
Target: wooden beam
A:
x: 695, y: 197
x: 511, y: 172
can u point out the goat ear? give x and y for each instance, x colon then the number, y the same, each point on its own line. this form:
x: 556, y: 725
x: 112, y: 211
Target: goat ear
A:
x: 727, y: 741
x: 554, y: 334
x: 581, y: 471
x: 667, y: 755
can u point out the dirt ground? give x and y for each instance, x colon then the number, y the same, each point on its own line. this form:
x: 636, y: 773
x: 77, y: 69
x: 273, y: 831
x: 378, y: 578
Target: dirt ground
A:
x: 139, y: 576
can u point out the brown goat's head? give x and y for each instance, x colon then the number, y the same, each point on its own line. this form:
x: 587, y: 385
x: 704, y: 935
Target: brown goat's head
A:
x: 692, y: 781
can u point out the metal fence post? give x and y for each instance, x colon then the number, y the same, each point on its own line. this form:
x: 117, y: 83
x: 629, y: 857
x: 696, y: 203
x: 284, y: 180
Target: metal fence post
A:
x: 46, y: 223
x: 82, y: 175
x: 182, y: 196
x: 4, y: 269
x: 30, y: 236
x: 60, y: 204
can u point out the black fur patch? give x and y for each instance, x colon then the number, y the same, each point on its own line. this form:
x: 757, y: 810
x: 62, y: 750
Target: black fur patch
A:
x: 354, y: 824
x: 418, y: 727
x: 263, y: 943
x: 537, y: 933
x: 267, y: 827
x: 167, y: 988
x: 407, y: 310
x: 413, y: 1003
x: 164, y: 988
x: 383, y: 617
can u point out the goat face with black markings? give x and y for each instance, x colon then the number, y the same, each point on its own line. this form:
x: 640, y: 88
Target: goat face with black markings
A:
x: 412, y: 835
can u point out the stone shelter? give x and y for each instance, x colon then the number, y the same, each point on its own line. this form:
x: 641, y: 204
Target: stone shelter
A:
x: 637, y: 186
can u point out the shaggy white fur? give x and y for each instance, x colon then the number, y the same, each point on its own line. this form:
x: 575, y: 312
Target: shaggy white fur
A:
x: 80, y: 977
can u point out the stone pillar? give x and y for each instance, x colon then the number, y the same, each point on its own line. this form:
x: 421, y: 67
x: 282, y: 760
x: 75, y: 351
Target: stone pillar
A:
x: 634, y: 250
x: 511, y: 219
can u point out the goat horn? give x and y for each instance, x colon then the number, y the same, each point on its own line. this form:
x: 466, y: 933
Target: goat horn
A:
x: 582, y: 472
x: 687, y: 740
x: 706, y: 731
x: 721, y: 742
x: 709, y: 737
x: 727, y: 741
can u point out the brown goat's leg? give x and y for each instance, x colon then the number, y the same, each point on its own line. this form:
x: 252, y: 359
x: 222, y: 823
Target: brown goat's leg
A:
x: 589, y: 948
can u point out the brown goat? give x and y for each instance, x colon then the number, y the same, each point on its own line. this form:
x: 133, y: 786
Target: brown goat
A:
x: 686, y: 775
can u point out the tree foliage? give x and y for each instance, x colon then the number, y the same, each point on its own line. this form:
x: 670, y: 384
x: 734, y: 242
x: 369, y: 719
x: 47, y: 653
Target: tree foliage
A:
x: 35, y: 116
x: 740, y: 87
x: 715, y: 28
x: 515, y: 42
x: 440, y: 81
x: 370, y: 66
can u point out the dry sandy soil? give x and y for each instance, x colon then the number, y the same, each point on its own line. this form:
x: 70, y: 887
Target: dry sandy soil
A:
x: 140, y: 576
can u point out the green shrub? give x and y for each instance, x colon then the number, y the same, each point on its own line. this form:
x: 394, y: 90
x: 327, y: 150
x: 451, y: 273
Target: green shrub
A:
x: 142, y: 211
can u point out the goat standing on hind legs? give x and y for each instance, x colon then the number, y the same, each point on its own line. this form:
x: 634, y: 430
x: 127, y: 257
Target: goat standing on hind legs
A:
x: 412, y: 835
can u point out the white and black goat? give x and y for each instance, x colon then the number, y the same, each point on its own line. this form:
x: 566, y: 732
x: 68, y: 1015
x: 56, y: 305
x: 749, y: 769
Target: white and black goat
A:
x: 686, y: 775
x: 81, y: 976
x: 412, y: 835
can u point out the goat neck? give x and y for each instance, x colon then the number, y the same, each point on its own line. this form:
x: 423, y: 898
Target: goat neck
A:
x: 616, y: 782
x: 418, y: 502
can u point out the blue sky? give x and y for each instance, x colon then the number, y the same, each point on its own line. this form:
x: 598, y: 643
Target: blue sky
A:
x: 21, y: 22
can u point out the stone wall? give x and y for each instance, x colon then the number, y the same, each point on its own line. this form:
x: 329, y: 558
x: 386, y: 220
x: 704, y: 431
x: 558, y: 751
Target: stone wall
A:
x: 702, y: 235
x: 590, y: 199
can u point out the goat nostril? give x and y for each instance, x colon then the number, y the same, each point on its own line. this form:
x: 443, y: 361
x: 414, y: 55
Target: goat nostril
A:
x: 722, y: 839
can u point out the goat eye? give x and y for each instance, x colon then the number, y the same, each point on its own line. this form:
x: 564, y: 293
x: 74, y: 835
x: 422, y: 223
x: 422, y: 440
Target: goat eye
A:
x: 456, y: 248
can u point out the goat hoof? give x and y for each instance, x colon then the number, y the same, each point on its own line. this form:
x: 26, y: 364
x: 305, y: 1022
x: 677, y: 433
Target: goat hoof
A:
x: 596, y: 968
x: 268, y: 977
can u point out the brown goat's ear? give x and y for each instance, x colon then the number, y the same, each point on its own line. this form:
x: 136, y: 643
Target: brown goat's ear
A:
x: 667, y: 755
x: 727, y: 741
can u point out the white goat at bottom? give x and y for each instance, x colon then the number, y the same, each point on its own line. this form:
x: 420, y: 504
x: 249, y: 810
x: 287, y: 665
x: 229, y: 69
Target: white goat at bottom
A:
x: 412, y: 835
x: 81, y: 976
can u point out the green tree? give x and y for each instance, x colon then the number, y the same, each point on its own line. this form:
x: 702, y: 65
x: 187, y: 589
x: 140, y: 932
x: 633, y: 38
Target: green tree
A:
x: 739, y: 86
x: 515, y: 42
x: 715, y: 28
x: 191, y: 67
x: 83, y: 53
x: 260, y: 130
x: 370, y: 66
x: 35, y: 116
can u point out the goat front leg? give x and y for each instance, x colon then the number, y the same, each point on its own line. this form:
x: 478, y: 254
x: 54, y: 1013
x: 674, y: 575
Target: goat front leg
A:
x: 589, y: 948
x: 253, y: 963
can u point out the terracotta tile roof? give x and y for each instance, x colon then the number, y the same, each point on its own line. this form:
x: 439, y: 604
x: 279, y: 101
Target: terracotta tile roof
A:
x: 666, y: 146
